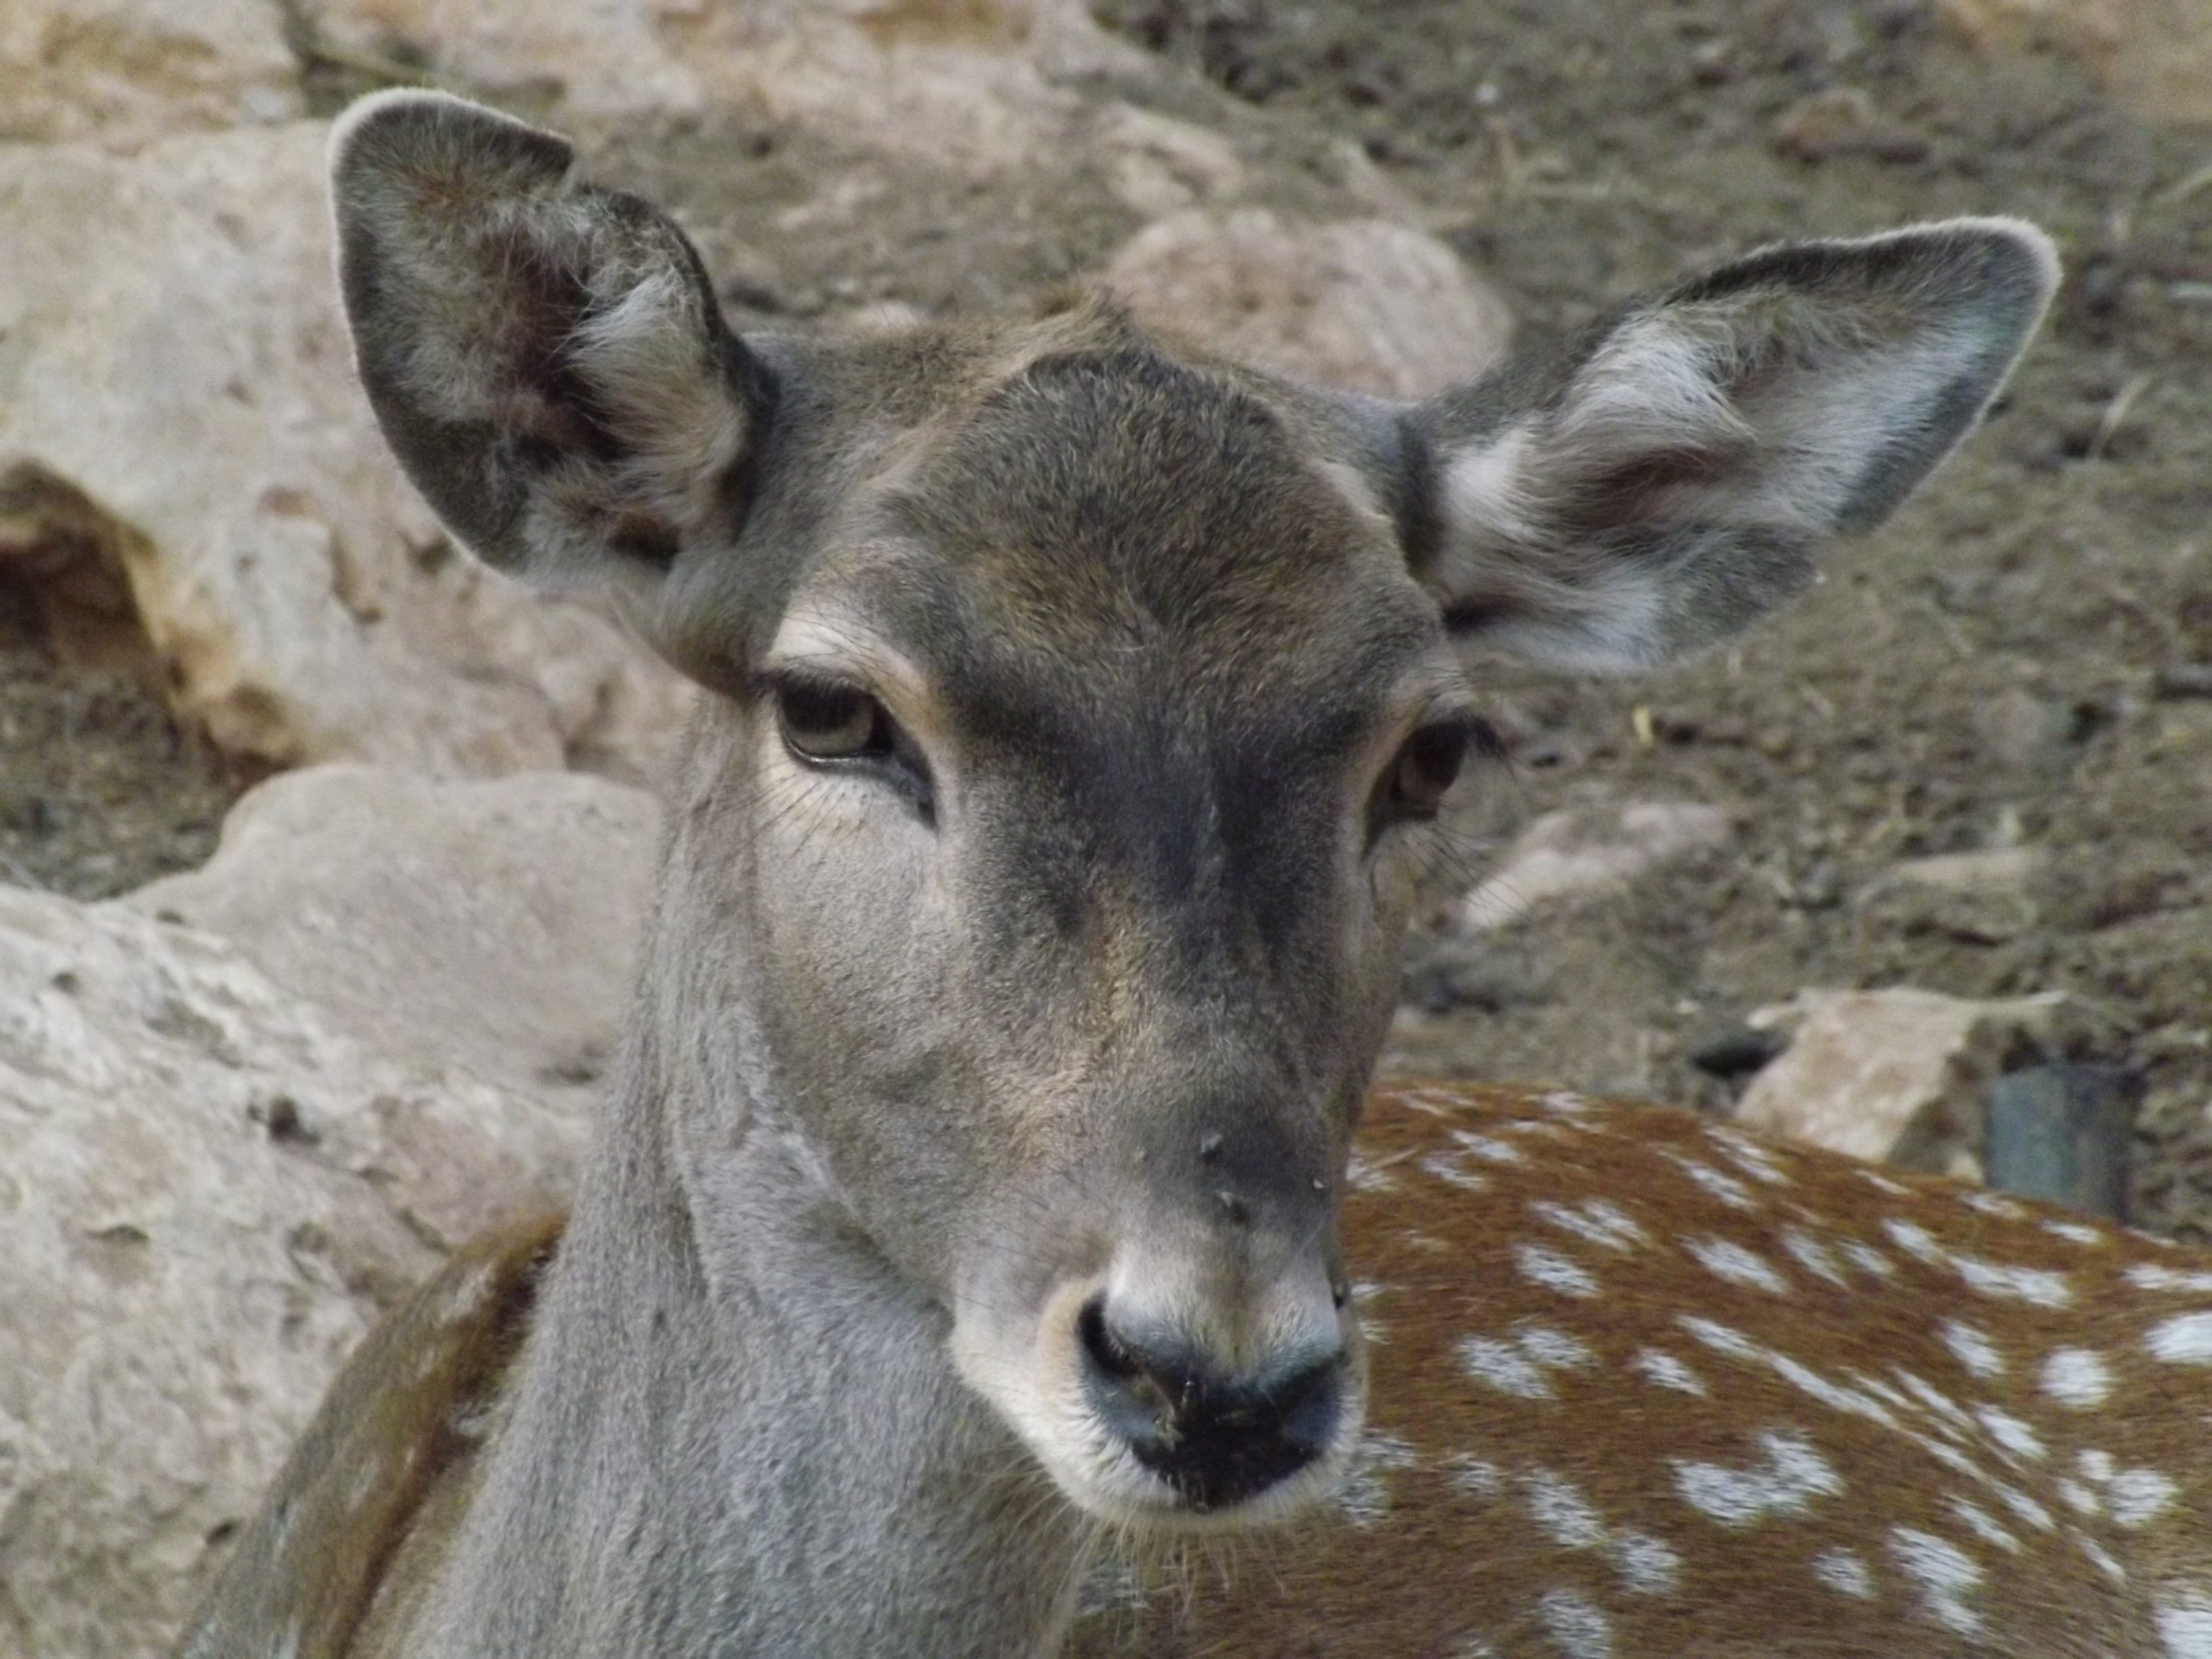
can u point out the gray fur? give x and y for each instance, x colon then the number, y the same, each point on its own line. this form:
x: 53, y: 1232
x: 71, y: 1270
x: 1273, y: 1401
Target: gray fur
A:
x: 918, y: 1062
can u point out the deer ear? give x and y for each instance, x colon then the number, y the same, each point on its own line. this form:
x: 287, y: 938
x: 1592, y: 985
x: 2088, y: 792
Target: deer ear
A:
x: 1670, y: 476
x: 546, y: 359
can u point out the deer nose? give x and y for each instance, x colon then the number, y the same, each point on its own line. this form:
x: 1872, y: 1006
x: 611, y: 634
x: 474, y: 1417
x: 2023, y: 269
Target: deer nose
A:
x: 1219, y: 1439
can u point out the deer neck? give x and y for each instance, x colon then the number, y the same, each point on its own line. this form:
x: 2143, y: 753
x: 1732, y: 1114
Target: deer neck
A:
x: 739, y: 1432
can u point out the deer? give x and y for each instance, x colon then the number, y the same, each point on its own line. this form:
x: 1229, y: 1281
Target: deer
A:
x: 1078, y: 711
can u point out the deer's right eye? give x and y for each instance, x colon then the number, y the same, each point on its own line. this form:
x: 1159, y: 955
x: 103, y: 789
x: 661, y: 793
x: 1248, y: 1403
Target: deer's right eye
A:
x: 827, y: 721
x: 835, y: 725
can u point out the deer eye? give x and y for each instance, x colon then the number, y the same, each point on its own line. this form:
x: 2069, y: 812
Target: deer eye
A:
x: 825, y: 720
x: 833, y: 724
x: 1426, y: 766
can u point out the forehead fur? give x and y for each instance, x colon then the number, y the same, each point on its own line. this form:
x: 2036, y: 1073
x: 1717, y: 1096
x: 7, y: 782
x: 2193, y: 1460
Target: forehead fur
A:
x: 1111, y: 507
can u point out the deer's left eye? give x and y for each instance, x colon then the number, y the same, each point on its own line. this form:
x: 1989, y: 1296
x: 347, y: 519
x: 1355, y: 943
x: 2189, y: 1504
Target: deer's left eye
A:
x: 1427, y: 764
x: 826, y: 721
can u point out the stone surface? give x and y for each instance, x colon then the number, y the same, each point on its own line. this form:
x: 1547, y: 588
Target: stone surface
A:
x: 123, y: 72
x: 492, y: 923
x: 1569, y: 855
x: 207, y: 1191
x: 1978, y: 898
x: 1366, y: 304
x: 2155, y: 54
x: 171, y: 357
x: 1897, y: 1076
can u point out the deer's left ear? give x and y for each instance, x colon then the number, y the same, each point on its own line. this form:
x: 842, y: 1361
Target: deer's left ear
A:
x: 1669, y: 476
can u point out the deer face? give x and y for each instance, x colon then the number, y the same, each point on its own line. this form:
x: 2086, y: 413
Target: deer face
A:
x: 1081, y: 707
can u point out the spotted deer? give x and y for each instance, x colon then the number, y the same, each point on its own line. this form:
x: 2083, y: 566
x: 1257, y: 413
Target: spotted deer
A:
x: 1079, y: 709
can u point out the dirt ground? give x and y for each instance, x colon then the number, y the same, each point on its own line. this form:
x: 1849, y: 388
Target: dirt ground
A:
x: 2023, y: 657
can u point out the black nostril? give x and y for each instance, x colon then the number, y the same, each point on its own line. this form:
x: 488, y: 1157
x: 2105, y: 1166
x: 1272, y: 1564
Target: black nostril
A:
x: 1218, y: 1440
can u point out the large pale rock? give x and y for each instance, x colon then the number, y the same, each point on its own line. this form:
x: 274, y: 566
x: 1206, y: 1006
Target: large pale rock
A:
x: 172, y: 355
x: 490, y: 922
x: 1895, y: 1076
x: 207, y: 1191
x: 125, y: 71
x: 1370, y: 304
x: 2156, y: 55
x: 952, y: 81
x: 1585, y: 852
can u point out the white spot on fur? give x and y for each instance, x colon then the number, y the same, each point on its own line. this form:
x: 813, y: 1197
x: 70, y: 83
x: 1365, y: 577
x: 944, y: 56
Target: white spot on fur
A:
x: 1557, y: 1506
x: 2185, y: 1625
x: 1869, y: 1261
x: 2009, y: 1432
x: 1595, y: 1221
x: 1556, y: 1349
x: 2100, y: 1558
x: 1476, y: 1477
x: 1789, y: 1476
x: 1882, y: 1183
x: 1364, y: 1495
x: 1670, y: 1372
x: 1845, y: 1573
x: 1944, y: 1573
x: 1996, y: 1204
x: 2138, y: 1497
x: 1488, y: 1148
x: 2039, y: 1286
x: 1647, y: 1567
x: 1915, y: 1240
x: 2155, y: 1276
x: 1447, y: 1168
x: 1720, y: 1338
x: 1728, y: 1260
x: 1984, y: 1525
x: 1972, y: 1347
x: 1716, y: 1182
x: 1502, y: 1366
x: 2077, y: 1378
x: 2075, y: 1233
x: 2023, y: 1507
x: 2078, y: 1496
x: 2185, y: 1340
x: 1576, y: 1626
x: 1814, y: 1257
x: 1554, y: 1272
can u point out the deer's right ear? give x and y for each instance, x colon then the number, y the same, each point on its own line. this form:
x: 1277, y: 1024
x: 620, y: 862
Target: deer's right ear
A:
x: 546, y: 359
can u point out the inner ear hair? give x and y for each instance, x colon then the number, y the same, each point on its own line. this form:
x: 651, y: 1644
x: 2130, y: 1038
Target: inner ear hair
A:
x: 547, y: 358
x: 1670, y: 476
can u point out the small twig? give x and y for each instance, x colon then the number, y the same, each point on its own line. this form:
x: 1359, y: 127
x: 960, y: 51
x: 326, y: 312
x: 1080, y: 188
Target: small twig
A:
x: 2200, y: 179
x: 2116, y: 412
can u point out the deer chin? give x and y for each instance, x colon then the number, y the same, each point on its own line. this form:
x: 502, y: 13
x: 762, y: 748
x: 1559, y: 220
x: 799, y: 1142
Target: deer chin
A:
x: 1041, y: 1383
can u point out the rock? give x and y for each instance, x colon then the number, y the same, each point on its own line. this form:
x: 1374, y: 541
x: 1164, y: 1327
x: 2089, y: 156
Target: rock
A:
x: 207, y: 1192
x: 584, y: 57
x: 1975, y: 898
x: 125, y: 72
x: 173, y: 366
x: 2156, y: 55
x: 1570, y: 855
x: 1844, y: 121
x: 1896, y: 1076
x: 961, y: 84
x: 492, y: 924
x: 2061, y: 1132
x: 1366, y: 304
